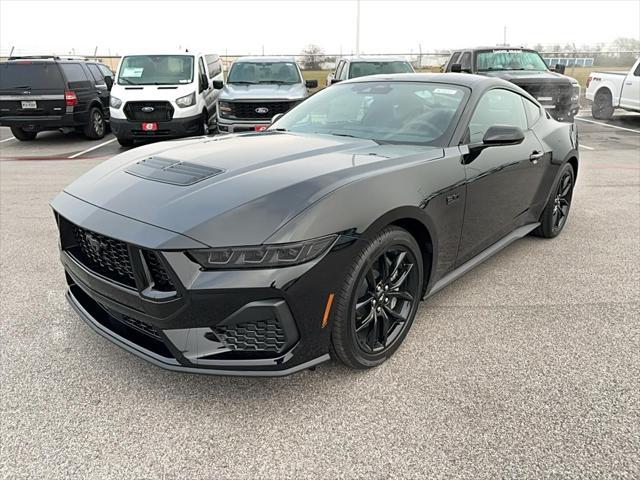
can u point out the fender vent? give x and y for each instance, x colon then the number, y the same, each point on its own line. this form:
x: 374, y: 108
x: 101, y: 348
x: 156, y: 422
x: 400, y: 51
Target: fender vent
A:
x: 171, y: 171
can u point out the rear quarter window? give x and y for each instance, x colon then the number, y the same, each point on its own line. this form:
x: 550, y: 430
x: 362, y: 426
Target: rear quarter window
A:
x: 74, y: 73
x: 35, y: 76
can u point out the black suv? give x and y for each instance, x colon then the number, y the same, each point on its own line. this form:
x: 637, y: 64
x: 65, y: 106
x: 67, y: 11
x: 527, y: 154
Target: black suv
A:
x: 50, y: 93
x: 557, y: 93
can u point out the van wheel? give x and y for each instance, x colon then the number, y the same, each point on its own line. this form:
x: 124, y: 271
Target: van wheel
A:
x: 21, y: 135
x: 125, y: 142
x: 204, y: 126
x: 95, y: 129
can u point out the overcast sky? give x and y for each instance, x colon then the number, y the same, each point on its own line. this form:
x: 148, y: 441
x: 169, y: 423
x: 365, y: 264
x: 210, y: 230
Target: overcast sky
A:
x: 246, y: 27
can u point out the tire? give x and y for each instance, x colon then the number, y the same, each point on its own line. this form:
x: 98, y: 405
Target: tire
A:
x: 23, y: 136
x: 96, y: 128
x: 556, y: 212
x: 204, y: 124
x: 125, y: 142
x: 367, y: 329
x: 602, y: 106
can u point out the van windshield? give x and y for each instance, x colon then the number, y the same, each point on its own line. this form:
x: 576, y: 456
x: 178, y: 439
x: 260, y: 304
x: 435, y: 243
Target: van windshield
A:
x: 285, y: 73
x: 156, y: 70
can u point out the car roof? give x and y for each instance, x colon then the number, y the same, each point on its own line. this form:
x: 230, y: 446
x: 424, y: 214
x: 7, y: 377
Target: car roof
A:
x: 265, y: 59
x: 494, y: 47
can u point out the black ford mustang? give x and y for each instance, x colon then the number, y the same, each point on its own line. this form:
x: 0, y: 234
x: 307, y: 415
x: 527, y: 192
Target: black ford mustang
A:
x: 267, y: 253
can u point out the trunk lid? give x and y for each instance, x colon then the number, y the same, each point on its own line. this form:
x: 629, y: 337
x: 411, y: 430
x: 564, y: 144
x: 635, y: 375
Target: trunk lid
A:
x: 31, y: 89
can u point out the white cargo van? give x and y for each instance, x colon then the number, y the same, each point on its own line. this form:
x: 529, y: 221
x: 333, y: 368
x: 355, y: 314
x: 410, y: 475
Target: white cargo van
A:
x: 164, y: 96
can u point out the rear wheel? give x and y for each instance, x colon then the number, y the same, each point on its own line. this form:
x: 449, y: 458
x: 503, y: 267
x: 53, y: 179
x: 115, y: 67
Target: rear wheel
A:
x: 602, y: 107
x: 96, y: 128
x: 378, y: 301
x: 22, y: 135
x: 554, y: 217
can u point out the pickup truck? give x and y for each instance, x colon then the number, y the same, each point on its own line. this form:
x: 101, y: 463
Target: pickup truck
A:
x: 610, y: 90
x: 557, y: 93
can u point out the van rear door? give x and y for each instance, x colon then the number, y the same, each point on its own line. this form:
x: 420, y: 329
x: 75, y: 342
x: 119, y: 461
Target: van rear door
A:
x: 31, y: 88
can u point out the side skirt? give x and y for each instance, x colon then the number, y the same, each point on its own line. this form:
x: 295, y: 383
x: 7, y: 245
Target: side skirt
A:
x: 481, y: 257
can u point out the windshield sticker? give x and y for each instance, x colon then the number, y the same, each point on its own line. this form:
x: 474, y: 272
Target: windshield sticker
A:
x: 133, y: 72
x: 446, y: 91
x: 508, y: 51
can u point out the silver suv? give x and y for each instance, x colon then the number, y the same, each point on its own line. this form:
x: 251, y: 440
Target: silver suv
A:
x: 257, y: 89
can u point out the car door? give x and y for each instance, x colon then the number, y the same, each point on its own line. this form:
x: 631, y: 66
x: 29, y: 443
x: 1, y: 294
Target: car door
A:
x: 502, y: 181
x: 102, y: 89
x: 630, y: 97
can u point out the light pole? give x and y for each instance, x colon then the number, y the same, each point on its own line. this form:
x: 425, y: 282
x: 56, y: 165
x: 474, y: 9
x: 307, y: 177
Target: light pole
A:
x: 358, y: 28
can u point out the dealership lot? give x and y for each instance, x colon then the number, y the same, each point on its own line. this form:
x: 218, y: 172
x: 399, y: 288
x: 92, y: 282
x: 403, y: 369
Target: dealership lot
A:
x: 527, y: 367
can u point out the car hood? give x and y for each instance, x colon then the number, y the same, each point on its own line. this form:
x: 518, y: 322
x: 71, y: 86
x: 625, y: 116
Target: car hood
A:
x: 529, y: 77
x: 152, y: 92
x: 265, y: 91
x: 266, y: 179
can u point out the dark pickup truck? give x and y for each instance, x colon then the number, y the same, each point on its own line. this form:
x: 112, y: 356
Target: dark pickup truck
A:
x: 557, y: 93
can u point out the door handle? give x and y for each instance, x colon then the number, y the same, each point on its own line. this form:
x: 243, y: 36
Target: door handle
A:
x: 535, y: 156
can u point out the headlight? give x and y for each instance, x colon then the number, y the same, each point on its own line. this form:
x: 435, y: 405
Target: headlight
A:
x: 225, y: 108
x: 115, y: 102
x: 187, y: 100
x: 575, y: 93
x: 263, y: 256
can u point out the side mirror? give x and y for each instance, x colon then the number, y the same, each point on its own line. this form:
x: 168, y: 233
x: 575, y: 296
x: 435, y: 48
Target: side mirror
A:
x: 560, y: 68
x: 276, y: 117
x: 456, y: 68
x: 335, y: 80
x: 502, y: 135
x: 311, y: 83
x: 109, y: 82
x: 218, y: 84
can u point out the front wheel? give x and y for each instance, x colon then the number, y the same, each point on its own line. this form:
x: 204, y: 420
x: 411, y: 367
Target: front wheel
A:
x: 23, y: 135
x: 379, y: 299
x: 204, y: 124
x: 554, y: 217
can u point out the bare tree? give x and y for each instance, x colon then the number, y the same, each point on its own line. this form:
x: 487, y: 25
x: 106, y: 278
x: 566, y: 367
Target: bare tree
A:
x: 312, y: 57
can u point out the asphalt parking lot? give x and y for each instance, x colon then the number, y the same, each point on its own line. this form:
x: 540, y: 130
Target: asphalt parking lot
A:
x: 527, y: 367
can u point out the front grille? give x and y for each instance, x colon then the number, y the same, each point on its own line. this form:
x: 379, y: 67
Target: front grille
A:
x: 560, y: 94
x: 104, y: 255
x: 247, y: 110
x: 162, y: 111
x: 263, y: 335
x: 159, y: 275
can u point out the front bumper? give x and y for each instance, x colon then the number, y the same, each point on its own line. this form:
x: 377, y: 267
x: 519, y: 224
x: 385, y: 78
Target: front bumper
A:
x: 226, y: 125
x: 267, y: 322
x: 36, y: 123
x: 174, y: 128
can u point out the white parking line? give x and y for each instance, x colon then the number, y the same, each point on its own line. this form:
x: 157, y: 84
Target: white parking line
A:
x: 7, y: 139
x: 607, y: 125
x: 92, y: 148
x: 586, y: 148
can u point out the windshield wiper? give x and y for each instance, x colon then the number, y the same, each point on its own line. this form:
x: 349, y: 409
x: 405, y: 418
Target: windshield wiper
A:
x: 279, y: 130
x: 354, y: 136
x: 277, y: 82
x: 26, y: 87
x: 243, y: 83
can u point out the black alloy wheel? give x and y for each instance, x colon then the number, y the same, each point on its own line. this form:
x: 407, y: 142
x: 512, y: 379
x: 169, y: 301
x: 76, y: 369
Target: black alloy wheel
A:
x: 554, y: 217
x: 377, y: 307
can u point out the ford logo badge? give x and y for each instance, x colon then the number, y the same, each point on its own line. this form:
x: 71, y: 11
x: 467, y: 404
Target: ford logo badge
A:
x: 147, y: 109
x: 262, y: 110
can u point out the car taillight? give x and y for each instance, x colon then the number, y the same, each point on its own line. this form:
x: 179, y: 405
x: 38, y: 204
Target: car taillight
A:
x: 588, y: 81
x: 70, y: 98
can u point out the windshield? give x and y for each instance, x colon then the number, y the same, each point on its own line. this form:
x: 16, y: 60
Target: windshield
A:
x: 27, y: 75
x: 361, y: 69
x: 285, y: 73
x: 386, y: 112
x: 156, y: 70
x: 506, y: 59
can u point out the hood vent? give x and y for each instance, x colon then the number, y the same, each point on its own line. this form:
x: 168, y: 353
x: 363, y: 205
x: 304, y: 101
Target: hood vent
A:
x: 171, y: 171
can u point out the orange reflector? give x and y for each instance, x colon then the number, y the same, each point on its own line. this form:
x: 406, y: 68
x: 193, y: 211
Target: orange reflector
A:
x: 327, y: 310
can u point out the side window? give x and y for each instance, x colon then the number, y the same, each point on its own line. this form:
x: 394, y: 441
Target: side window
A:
x: 532, y: 110
x: 452, y: 60
x: 105, y: 70
x: 344, y: 75
x: 465, y: 61
x: 95, y: 71
x: 636, y: 72
x: 74, y: 73
x: 496, y: 107
x: 339, y: 69
x: 201, y: 70
x: 214, y: 66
